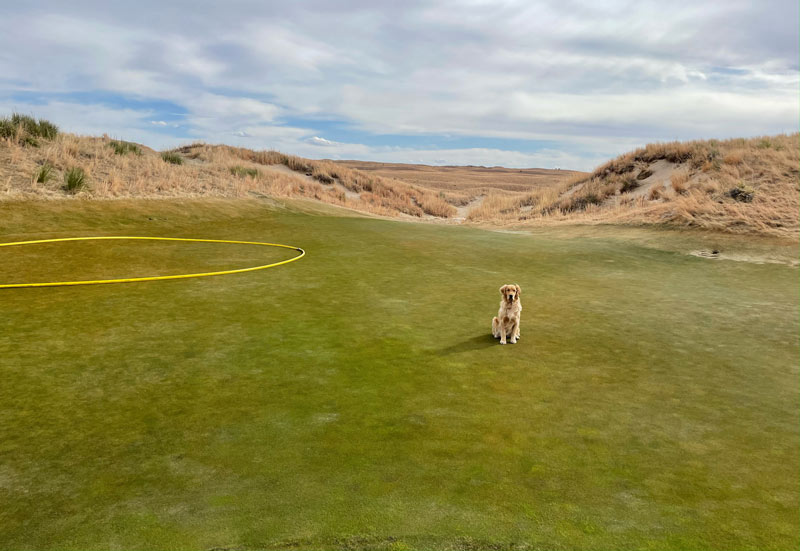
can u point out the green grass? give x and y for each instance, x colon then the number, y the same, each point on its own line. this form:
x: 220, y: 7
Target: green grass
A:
x: 242, y: 172
x: 74, y: 180
x: 31, y: 141
x: 44, y: 174
x: 7, y: 129
x: 172, y: 158
x: 47, y: 129
x: 123, y: 148
x: 29, y: 127
x: 355, y: 400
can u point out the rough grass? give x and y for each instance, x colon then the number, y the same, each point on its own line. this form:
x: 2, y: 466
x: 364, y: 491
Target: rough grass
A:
x: 74, y: 180
x: 698, y: 193
x: 650, y: 404
x: 475, y: 180
x: 629, y: 184
x: 243, y: 172
x: 123, y: 148
x: 44, y: 174
x: 701, y: 191
x: 26, y: 130
x: 172, y: 158
x: 679, y: 181
x: 376, y: 194
x: 494, y: 205
x: 211, y: 172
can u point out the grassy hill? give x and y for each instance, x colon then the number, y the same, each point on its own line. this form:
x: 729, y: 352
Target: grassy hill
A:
x: 740, y: 185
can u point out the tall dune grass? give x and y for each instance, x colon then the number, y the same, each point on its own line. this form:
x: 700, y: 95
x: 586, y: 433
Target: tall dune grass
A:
x: 697, y: 190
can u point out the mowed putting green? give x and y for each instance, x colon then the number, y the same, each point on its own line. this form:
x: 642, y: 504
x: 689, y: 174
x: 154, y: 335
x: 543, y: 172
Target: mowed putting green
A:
x: 356, y: 399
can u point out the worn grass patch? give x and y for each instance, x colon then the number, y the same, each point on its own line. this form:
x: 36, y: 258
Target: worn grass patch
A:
x: 355, y: 400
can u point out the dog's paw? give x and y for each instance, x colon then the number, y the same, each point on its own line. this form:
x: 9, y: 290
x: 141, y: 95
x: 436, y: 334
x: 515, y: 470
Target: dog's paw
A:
x: 502, y: 342
x: 513, y: 341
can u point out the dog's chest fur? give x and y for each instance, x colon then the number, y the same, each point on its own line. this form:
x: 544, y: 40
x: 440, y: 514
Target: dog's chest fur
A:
x: 510, y: 311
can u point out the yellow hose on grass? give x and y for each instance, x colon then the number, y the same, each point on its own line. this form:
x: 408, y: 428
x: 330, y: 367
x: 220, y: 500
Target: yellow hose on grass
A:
x: 153, y: 278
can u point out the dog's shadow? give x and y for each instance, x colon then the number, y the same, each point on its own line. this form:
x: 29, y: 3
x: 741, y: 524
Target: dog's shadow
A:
x: 474, y: 343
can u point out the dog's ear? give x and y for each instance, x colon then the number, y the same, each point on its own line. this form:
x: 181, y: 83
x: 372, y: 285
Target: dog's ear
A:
x: 519, y: 290
x: 503, y: 290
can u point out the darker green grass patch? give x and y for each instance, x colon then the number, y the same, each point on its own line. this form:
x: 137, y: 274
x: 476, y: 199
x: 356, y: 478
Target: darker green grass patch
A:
x: 123, y: 148
x: 47, y: 129
x: 172, y: 158
x: 44, y: 174
x: 243, y: 172
x: 74, y: 180
x: 27, y: 129
x: 7, y: 129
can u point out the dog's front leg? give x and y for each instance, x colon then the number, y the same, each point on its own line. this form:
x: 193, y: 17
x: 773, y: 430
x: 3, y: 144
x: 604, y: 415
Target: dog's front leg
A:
x: 514, y: 333
x: 502, y: 333
x: 519, y: 321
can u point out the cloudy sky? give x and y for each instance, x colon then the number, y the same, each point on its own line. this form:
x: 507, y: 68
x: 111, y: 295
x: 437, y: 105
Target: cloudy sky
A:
x: 526, y: 84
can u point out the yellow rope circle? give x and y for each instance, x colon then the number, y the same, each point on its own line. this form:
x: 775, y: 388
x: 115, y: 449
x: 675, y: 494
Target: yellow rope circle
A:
x: 154, y: 278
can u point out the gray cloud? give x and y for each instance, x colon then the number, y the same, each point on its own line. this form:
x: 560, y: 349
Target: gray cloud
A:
x: 593, y: 77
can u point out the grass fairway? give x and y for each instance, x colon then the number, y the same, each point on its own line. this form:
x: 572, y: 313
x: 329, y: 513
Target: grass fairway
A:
x: 354, y: 399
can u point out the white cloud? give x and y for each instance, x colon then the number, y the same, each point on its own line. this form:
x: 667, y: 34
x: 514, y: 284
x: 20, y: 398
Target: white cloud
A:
x: 316, y: 140
x: 593, y: 78
x: 544, y: 158
x: 185, y: 56
x: 283, y: 45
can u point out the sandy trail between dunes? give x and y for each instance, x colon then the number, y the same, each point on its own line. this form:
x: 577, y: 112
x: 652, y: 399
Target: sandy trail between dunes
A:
x: 462, y: 212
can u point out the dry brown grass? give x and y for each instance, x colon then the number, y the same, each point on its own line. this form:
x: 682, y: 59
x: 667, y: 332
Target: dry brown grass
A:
x: 629, y: 189
x: 704, y: 173
x: 469, y: 180
x: 221, y: 171
x: 679, y: 181
x: 501, y: 207
x: 495, y: 206
x: 656, y: 192
x: 735, y: 157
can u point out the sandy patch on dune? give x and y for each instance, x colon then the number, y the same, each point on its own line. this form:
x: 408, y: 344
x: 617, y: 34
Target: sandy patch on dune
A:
x: 662, y: 172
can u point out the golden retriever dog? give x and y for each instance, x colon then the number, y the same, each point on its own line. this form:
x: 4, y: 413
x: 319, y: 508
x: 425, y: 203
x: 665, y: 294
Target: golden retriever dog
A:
x: 506, y: 324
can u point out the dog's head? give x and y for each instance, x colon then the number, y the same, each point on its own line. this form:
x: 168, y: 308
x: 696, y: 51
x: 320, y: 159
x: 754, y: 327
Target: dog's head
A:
x: 510, y: 292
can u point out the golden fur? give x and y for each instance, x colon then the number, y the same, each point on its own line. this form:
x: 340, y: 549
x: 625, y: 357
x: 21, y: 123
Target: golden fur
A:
x: 506, y: 323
